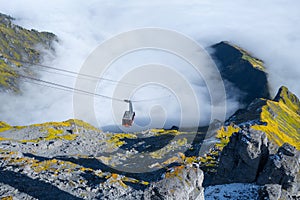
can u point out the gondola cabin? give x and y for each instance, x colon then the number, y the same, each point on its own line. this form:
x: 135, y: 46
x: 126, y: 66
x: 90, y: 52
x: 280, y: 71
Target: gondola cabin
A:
x: 128, y: 116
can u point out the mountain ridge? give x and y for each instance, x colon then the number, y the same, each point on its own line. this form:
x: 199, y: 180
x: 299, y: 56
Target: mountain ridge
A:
x: 16, y: 46
x: 244, y: 71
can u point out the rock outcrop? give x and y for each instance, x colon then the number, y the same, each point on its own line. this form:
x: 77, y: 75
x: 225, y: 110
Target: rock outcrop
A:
x: 288, y: 98
x: 244, y: 71
x: 283, y: 169
x: 246, y: 159
x: 270, y: 192
x: 242, y: 158
x: 183, y: 183
x: 278, y: 118
x: 253, y: 147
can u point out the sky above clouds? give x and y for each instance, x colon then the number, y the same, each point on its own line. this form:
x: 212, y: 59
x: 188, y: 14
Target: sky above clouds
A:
x: 269, y: 29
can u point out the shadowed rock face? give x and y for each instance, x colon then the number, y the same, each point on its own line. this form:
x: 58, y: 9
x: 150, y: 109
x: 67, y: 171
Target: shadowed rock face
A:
x: 242, y: 158
x: 282, y: 169
x: 270, y: 191
x: 244, y: 71
x: 246, y: 159
x: 269, y: 162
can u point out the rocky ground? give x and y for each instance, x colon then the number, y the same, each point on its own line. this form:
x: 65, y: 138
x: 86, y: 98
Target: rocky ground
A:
x: 74, y: 160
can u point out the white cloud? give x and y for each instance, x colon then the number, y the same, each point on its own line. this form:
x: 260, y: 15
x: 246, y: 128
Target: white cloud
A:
x: 268, y: 29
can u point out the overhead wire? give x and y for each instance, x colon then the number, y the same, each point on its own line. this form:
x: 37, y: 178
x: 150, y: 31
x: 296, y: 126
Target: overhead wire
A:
x: 78, y: 75
x: 79, y: 91
x: 71, y: 89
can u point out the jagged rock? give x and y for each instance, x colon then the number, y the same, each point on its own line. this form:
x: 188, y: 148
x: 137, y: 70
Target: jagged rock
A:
x: 242, y: 158
x: 278, y: 118
x: 270, y: 192
x: 288, y: 98
x: 243, y: 70
x: 250, y: 115
x: 187, y: 184
x: 283, y: 169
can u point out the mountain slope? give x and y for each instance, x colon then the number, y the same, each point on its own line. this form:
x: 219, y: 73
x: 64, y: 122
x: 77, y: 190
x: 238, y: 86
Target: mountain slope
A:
x: 244, y: 71
x: 278, y: 118
x: 17, y: 43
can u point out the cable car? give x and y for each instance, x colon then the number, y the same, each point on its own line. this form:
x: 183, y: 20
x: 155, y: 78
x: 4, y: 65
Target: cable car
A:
x: 128, y: 116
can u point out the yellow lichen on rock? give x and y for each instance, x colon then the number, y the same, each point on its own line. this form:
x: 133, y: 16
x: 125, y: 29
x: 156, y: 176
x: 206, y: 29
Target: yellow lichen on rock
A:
x: 69, y: 123
x: 4, y: 126
x: 176, y: 172
x: 255, y: 62
x: 224, y: 134
x: 158, y: 132
x: 66, y: 130
x: 282, y: 124
x: 115, y: 140
x: 17, y: 43
x: 7, y: 198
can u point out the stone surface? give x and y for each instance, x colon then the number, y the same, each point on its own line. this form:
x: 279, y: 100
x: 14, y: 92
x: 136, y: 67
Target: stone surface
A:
x: 183, y: 184
x: 270, y: 192
x: 242, y: 158
x: 283, y: 169
x: 243, y: 70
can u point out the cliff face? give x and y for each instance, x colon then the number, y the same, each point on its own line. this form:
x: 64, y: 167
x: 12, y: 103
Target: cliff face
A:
x: 278, y: 118
x: 244, y: 71
x: 260, y: 144
x: 17, y: 43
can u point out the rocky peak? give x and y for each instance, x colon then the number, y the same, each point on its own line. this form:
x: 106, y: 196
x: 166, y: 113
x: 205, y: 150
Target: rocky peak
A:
x: 244, y: 71
x: 288, y: 98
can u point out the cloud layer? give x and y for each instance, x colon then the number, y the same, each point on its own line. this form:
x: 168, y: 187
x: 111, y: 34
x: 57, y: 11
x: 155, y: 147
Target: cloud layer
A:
x: 268, y: 29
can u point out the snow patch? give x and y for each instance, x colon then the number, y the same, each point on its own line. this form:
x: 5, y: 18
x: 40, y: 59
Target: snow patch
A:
x: 232, y: 191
